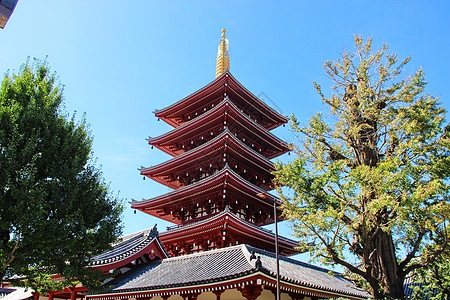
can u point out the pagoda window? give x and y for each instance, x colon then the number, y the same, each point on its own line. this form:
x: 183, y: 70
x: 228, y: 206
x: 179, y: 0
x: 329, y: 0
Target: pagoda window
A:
x: 214, y: 208
x: 199, y: 212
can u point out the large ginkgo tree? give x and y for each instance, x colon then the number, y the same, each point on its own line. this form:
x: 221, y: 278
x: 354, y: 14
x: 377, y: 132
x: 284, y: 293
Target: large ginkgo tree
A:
x: 369, y: 185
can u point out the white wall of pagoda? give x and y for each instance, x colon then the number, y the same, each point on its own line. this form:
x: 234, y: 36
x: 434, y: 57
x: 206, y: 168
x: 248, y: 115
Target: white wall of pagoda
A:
x: 231, y: 294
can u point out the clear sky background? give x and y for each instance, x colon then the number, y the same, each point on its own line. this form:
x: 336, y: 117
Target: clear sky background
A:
x: 121, y: 60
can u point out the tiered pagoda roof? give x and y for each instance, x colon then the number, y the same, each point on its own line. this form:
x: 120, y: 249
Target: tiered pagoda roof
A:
x: 225, y: 115
x: 221, y: 171
x: 224, y: 149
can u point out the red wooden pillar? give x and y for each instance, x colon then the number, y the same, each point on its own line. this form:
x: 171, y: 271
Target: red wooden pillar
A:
x: 73, y: 295
x: 218, y: 293
x: 36, y: 295
x: 251, y: 292
x: 296, y: 296
x: 50, y: 296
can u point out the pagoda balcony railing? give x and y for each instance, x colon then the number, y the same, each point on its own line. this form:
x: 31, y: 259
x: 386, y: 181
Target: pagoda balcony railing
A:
x: 176, y: 226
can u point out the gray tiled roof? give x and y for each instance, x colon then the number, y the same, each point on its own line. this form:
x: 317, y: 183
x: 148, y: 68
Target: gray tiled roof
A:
x: 184, y: 270
x: 127, y: 246
x: 306, y: 274
x: 227, y: 263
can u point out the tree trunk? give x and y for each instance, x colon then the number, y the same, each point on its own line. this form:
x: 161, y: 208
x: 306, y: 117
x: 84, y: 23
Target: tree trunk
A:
x: 386, y: 268
x: 4, y: 238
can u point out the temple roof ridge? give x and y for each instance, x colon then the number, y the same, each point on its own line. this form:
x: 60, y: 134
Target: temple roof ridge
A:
x: 258, y: 99
x: 220, y: 173
x: 129, y: 249
x: 229, y: 213
x: 145, y: 232
x: 218, y: 82
x: 200, y: 270
x: 208, y: 144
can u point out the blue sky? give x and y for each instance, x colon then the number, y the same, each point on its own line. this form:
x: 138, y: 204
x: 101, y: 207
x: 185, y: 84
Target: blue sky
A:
x: 121, y: 60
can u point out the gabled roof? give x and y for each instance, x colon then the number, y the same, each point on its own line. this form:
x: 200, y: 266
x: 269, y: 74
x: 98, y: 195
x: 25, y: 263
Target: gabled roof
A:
x: 225, y: 111
x: 227, y: 268
x: 226, y: 142
x: 201, y: 188
x: 225, y: 83
x: 130, y: 248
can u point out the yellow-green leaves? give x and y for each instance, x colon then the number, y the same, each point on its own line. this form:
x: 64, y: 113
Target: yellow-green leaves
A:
x: 370, y: 187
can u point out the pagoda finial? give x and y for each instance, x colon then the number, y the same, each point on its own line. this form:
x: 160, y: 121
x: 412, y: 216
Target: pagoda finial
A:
x: 223, y: 59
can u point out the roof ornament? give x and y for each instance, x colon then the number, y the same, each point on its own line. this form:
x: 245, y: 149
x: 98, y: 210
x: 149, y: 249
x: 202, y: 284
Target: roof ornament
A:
x: 153, y: 232
x: 223, y: 59
x: 258, y: 263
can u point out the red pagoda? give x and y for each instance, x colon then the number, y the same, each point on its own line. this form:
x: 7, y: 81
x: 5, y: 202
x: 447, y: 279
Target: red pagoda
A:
x: 220, y: 171
x: 220, y: 174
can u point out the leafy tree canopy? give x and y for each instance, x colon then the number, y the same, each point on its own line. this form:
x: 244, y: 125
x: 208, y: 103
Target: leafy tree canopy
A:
x: 369, y: 186
x: 56, y: 211
x: 432, y: 282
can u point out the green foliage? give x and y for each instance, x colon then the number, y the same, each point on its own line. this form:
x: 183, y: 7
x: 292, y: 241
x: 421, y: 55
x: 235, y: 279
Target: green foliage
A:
x: 55, y: 209
x: 370, y: 189
x: 434, y: 280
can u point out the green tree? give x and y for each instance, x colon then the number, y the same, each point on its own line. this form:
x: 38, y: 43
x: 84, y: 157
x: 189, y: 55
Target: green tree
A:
x: 434, y: 280
x: 369, y: 184
x: 56, y: 212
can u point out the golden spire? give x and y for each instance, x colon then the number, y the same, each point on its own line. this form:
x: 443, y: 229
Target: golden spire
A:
x: 223, y: 59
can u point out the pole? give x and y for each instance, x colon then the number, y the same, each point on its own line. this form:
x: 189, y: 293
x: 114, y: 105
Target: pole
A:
x: 276, y: 249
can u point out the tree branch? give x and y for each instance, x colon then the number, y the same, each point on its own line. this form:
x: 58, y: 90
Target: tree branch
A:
x: 11, y: 255
x: 412, y: 254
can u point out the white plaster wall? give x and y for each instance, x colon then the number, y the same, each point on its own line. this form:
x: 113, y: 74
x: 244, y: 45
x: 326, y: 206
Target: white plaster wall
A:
x: 207, y: 296
x: 233, y: 294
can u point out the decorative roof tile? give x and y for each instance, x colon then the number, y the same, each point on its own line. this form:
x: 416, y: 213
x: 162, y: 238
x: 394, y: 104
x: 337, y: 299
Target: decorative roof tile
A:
x: 129, y: 246
x: 225, y: 264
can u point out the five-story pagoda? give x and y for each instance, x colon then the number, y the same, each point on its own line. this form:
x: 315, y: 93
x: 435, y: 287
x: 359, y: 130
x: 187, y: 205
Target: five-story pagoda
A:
x: 220, y: 171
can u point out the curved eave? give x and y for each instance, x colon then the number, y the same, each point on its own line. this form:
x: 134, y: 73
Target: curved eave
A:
x: 214, y: 117
x: 204, y: 91
x: 203, y: 153
x: 239, y: 225
x: 122, y: 259
x: 213, y: 87
x: 217, y: 181
x: 307, y: 289
x: 259, y: 276
x: 287, y: 245
x: 279, y: 117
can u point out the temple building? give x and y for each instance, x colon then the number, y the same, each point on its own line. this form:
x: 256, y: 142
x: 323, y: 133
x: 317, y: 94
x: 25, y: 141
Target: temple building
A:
x: 221, y: 174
